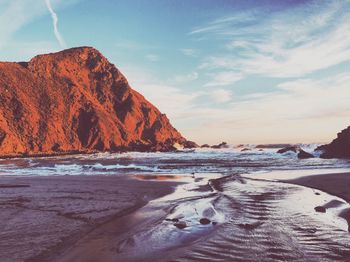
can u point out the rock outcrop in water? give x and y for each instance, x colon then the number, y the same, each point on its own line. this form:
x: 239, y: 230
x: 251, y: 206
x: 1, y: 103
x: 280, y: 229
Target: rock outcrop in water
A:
x: 301, y: 154
x: 221, y: 145
x: 76, y: 101
x: 339, y: 147
x: 304, y: 155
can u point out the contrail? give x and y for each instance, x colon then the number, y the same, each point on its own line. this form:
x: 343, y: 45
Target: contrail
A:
x: 55, y: 21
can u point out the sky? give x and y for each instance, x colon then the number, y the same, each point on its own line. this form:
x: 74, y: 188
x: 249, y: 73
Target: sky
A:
x: 241, y: 71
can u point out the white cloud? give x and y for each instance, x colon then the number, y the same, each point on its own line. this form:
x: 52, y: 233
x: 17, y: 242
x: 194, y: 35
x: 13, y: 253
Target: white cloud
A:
x: 189, y: 52
x: 221, y: 95
x: 224, y: 78
x: 55, y: 24
x: 27, y: 50
x: 289, y: 43
x: 152, y: 57
x: 186, y: 78
x: 15, y: 14
x: 304, y: 110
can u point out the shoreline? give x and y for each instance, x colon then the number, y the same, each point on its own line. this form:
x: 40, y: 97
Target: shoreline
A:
x: 41, y: 217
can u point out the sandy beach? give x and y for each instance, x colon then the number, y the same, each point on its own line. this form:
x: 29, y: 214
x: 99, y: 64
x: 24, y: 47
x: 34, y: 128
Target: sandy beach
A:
x: 109, y: 218
x: 40, y: 216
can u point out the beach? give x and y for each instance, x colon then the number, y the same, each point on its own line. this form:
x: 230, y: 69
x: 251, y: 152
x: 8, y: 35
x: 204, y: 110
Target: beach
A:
x: 250, y: 221
x: 40, y: 216
x: 207, y: 205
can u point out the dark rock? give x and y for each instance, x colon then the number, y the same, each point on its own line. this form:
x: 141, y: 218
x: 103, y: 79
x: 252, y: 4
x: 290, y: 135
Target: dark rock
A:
x: 180, y: 225
x: 288, y: 149
x: 190, y: 144
x: 317, y: 194
x: 304, y: 155
x: 320, y: 209
x: 214, y: 223
x: 339, y: 147
x: 172, y: 219
x: 205, y: 146
x: 221, y: 145
x: 204, y: 221
x: 245, y: 149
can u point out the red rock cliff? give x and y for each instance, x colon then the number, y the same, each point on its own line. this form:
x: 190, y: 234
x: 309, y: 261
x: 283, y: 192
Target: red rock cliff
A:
x: 75, y: 100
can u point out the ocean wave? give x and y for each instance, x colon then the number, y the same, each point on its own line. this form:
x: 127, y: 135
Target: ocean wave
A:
x: 227, y: 160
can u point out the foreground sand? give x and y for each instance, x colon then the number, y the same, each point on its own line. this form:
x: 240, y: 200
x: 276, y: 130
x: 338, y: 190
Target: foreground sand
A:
x: 43, y: 215
x: 335, y: 184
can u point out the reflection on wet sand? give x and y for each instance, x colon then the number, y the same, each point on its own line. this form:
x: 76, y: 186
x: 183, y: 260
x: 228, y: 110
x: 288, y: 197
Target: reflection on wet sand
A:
x: 250, y: 221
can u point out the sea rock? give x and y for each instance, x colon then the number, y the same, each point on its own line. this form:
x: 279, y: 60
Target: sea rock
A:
x: 172, y: 219
x: 245, y: 149
x: 180, y: 225
x: 288, y: 149
x: 304, y: 155
x: 221, y: 145
x: 320, y: 209
x: 339, y: 147
x: 190, y: 144
x: 205, y: 146
x: 77, y: 101
x: 204, y: 221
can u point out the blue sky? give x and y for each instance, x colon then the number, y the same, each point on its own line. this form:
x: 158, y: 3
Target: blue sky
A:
x: 241, y: 71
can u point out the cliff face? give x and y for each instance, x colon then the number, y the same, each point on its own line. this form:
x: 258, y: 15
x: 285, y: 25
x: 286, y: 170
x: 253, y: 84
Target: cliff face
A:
x: 339, y: 147
x: 75, y: 100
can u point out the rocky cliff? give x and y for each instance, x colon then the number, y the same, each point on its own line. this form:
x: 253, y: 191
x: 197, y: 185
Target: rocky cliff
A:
x: 76, y: 101
x: 339, y: 147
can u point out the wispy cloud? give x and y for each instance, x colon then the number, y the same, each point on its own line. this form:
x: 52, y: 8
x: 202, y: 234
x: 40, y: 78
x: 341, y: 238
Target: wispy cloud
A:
x: 55, y: 24
x: 152, y: 57
x: 224, y: 78
x: 221, y: 95
x: 24, y: 51
x: 186, y: 78
x: 189, y: 52
x: 23, y: 11
x: 14, y: 15
x: 288, y: 43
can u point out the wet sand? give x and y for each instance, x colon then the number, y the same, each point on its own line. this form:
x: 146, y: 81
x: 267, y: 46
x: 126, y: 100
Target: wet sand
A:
x: 41, y: 216
x: 106, y: 218
x: 335, y: 184
x: 252, y: 222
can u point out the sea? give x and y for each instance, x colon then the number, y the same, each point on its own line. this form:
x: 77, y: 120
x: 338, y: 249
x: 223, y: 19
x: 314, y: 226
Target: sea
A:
x: 230, y: 160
